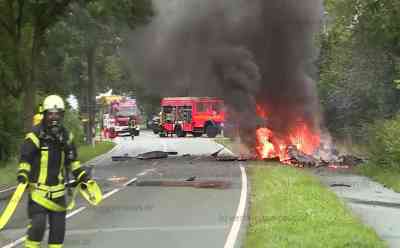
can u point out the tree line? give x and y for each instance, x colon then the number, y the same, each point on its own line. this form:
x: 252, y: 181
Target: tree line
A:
x: 64, y: 47
x: 359, y: 74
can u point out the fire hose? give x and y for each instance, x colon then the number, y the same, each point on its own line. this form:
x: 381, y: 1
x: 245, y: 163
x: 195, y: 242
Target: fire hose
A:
x: 90, y: 191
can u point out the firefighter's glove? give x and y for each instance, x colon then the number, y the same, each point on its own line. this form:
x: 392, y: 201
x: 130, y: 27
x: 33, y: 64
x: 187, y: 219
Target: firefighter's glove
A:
x: 22, y: 178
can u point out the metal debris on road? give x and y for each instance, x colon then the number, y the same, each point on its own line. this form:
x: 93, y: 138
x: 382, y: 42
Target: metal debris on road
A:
x: 191, y: 179
x: 116, y: 179
x: 335, y: 166
x: 215, y: 154
x: 121, y: 158
x: 215, y: 184
x: 340, y: 185
x: 152, y: 155
x: 226, y: 158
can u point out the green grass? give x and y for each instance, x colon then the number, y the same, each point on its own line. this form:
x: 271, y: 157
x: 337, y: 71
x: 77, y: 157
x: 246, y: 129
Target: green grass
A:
x: 85, y: 152
x: 389, y: 177
x: 291, y: 208
x: 8, y: 173
x: 225, y: 142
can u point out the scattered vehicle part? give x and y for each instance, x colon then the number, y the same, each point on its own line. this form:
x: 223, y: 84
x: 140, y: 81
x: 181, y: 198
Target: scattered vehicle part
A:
x: 227, y: 158
x: 152, y: 155
x: 215, y: 154
x: 340, y: 185
x: 191, y: 179
x: 121, y: 158
x: 216, y: 184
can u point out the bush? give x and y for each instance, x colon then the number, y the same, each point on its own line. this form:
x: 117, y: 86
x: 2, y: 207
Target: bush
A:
x: 384, y: 142
x: 74, y: 125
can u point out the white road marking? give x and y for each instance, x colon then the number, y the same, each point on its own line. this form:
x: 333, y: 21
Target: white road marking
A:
x: 8, y: 189
x: 108, y: 194
x: 151, y: 228
x: 146, y: 171
x: 233, y: 233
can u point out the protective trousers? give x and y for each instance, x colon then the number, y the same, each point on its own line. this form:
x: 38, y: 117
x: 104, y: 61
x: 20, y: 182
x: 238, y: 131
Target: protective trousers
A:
x: 39, y: 216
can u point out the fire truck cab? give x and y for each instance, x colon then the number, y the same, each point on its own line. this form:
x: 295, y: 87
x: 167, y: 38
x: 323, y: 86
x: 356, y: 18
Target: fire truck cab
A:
x: 195, y: 115
x: 122, y: 118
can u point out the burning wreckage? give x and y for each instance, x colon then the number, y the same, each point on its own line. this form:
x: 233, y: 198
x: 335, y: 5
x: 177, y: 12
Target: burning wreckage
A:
x: 300, y: 146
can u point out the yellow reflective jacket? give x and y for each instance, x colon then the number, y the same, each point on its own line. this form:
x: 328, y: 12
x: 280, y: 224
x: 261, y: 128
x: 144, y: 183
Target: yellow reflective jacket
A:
x: 43, y: 158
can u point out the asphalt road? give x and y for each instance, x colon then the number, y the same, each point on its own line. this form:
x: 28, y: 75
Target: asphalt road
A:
x: 155, y: 216
x: 377, y: 206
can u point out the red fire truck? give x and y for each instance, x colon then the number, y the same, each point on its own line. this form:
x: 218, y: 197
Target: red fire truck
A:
x: 116, y: 119
x: 195, y: 115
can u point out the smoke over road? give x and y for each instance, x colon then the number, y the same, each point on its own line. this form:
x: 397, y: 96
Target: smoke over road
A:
x: 245, y: 52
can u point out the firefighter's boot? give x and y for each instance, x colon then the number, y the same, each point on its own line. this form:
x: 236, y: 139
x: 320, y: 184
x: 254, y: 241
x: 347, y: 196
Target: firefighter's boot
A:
x: 31, y: 244
x: 55, y: 246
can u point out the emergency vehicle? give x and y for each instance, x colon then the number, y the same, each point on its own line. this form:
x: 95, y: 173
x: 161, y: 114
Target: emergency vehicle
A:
x: 116, y: 118
x: 194, y: 115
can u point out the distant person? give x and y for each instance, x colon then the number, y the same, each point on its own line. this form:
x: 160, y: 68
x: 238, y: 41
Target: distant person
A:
x: 132, y: 127
x: 37, y: 118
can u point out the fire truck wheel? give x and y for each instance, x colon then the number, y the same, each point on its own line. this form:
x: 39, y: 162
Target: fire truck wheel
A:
x: 179, y: 132
x: 197, y: 134
x: 211, y: 131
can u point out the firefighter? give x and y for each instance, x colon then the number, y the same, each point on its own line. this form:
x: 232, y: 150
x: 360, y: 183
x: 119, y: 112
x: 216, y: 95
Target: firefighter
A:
x: 132, y: 127
x: 40, y: 166
x: 37, y: 118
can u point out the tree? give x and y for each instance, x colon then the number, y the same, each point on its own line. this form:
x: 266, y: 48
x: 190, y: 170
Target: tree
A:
x: 90, y: 57
x: 358, y: 65
x: 24, y: 24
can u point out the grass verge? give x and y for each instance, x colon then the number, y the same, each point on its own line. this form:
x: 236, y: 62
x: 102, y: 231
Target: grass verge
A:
x: 291, y: 208
x: 8, y: 173
x: 389, y: 177
x: 225, y: 142
x: 85, y: 152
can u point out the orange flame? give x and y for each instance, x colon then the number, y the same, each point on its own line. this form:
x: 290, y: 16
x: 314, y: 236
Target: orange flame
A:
x: 270, y: 146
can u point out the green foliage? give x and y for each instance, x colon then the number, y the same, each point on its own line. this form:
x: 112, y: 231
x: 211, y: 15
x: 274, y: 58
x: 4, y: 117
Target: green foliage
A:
x: 358, y: 66
x: 387, y: 176
x: 10, y: 127
x: 74, y: 125
x: 8, y: 172
x: 384, y: 143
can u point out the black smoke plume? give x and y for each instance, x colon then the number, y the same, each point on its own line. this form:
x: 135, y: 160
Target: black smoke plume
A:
x: 247, y: 52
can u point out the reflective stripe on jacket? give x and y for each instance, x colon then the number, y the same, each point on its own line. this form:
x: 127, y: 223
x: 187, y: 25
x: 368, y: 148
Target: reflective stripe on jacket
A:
x: 42, y: 160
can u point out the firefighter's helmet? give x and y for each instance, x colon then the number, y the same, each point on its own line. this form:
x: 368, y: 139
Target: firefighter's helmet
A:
x: 53, y: 103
